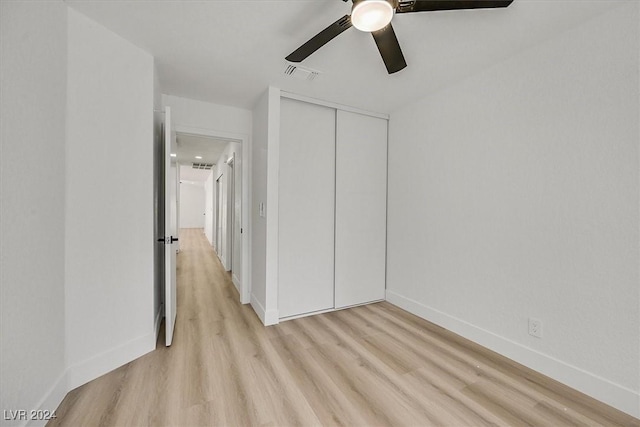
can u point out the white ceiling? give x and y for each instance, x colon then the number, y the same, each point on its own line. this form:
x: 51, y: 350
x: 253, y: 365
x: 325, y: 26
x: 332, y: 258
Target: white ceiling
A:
x: 189, y: 146
x: 228, y: 52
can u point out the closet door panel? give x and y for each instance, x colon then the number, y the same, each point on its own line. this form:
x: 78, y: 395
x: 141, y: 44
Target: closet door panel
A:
x: 361, y: 199
x: 306, y: 193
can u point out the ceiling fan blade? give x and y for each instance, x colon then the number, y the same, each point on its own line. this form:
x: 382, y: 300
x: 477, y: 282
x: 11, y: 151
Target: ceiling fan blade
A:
x: 320, y: 39
x: 389, y: 48
x: 433, y: 5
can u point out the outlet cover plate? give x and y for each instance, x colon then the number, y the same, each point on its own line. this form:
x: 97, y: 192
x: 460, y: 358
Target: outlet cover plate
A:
x: 535, y: 327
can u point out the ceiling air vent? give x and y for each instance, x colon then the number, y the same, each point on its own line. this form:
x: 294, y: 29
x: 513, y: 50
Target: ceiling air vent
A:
x: 300, y: 73
x: 203, y: 166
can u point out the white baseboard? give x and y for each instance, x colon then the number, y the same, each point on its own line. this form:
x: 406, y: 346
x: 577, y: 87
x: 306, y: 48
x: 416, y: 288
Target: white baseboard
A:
x: 236, y: 283
x: 51, y: 399
x: 271, y: 318
x: 258, y: 308
x: 268, y: 317
x: 109, y: 360
x: 223, y: 262
x: 592, y: 385
x: 245, y: 298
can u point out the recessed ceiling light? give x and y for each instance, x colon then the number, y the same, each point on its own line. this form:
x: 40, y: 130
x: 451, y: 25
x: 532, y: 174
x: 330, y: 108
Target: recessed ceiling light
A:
x: 173, y: 154
x: 199, y: 157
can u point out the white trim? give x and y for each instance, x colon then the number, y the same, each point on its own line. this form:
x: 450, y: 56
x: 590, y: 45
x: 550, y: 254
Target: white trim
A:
x: 223, y: 262
x: 328, y: 310
x: 190, y: 130
x: 158, y: 320
x: 51, y: 399
x: 599, y: 388
x: 109, y: 360
x: 237, y: 284
x: 329, y: 104
x: 245, y: 221
x: 269, y: 317
x: 258, y: 308
x: 272, y: 207
x: 310, y: 313
x: 231, y: 217
x: 359, y: 304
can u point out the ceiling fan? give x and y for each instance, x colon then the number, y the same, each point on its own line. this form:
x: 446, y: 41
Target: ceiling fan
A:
x: 374, y: 16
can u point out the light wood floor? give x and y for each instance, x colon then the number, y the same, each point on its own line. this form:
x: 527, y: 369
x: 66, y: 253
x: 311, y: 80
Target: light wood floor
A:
x: 370, y: 365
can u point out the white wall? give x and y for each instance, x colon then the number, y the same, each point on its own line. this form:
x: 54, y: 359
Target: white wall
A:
x: 109, y: 208
x: 264, y: 175
x: 192, y: 198
x: 33, y: 84
x: 514, y: 194
x: 205, y: 115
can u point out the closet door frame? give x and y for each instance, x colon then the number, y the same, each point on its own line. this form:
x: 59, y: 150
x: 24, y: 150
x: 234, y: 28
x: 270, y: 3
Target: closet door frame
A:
x: 271, y: 314
x: 335, y: 106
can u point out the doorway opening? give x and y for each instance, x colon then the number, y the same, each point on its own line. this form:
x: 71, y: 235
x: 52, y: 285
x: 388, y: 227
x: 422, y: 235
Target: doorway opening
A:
x: 213, y: 196
x: 201, y: 182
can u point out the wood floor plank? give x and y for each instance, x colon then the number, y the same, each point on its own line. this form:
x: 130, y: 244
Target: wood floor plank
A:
x: 325, y: 397
x: 378, y: 369
x: 378, y: 404
x: 370, y: 365
x: 552, y: 415
x: 457, y: 407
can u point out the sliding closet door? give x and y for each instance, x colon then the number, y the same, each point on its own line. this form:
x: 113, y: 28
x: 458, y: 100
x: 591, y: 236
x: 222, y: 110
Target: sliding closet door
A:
x: 306, y: 208
x: 361, y: 199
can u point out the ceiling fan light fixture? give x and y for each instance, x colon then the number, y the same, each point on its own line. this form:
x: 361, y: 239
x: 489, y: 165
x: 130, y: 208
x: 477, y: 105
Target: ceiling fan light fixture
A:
x: 371, y: 15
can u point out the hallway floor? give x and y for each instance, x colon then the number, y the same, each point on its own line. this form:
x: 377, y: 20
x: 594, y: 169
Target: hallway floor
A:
x: 369, y: 365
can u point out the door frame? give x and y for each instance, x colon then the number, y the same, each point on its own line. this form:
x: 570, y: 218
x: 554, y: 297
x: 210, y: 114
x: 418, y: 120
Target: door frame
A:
x: 219, y: 202
x: 171, y: 172
x: 245, y: 157
x: 231, y: 214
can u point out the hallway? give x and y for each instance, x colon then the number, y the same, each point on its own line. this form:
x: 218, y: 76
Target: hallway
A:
x: 175, y: 385
x: 369, y: 365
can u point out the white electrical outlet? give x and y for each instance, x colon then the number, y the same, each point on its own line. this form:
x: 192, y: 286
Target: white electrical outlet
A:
x: 535, y: 327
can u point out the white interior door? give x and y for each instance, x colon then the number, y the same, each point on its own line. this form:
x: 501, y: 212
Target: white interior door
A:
x: 361, y: 200
x: 170, y: 226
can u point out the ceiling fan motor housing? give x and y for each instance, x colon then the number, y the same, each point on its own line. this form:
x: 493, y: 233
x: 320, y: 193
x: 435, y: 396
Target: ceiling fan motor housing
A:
x: 394, y: 3
x: 372, y: 15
